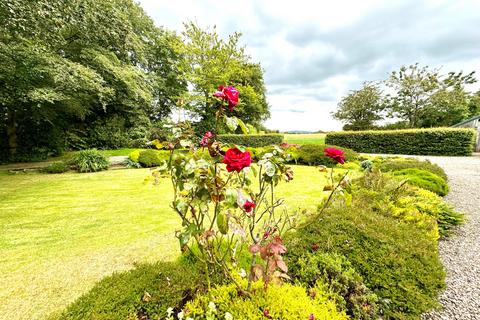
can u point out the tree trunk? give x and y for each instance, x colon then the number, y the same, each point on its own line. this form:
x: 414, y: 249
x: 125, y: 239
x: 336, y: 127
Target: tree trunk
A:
x: 12, y: 132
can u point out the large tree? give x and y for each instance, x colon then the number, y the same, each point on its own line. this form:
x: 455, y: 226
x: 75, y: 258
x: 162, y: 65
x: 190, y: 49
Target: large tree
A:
x: 361, y: 108
x: 68, y: 64
x: 210, y: 61
x: 424, y: 97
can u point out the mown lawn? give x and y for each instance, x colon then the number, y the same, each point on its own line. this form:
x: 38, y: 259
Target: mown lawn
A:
x: 62, y: 233
x: 307, y: 138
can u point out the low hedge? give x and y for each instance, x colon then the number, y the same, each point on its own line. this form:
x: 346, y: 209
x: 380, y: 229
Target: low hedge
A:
x: 436, y: 141
x: 251, y: 140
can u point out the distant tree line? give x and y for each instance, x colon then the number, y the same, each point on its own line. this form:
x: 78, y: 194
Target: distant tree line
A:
x: 98, y: 73
x: 415, y: 96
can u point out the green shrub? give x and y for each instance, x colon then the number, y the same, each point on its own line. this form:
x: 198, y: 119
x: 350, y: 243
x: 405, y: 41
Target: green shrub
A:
x: 56, y: 167
x: 149, y: 158
x: 397, y: 260
x: 313, y: 154
x: 336, y: 273
x: 395, y: 164
x: 134, y: 155
x: 251, y: 140
x: 145, y: 292
x: 436, y: 141
x: 423, y: 179
x: 287, y: 302
x: 90, y: 160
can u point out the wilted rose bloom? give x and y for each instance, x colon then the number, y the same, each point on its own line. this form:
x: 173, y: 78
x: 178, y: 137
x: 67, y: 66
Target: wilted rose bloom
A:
x: 311, y: 317
x: 236, y: 160
x: 336, y: 155
x: 229, y: 94
x: 206, y: 138
x: 248, y: 206
x: 289, y: 174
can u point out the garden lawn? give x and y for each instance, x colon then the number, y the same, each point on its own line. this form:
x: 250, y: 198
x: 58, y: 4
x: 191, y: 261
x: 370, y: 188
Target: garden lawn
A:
x: 61, y: 233
x: 307, y: 138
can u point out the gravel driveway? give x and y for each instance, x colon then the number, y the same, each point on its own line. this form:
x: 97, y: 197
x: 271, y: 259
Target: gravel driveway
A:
x: 460, y: 253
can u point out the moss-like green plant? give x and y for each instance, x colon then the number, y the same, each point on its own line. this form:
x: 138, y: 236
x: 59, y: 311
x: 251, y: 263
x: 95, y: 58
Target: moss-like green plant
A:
x: 396, y: 164
x: 287, y: 302
x: 398, y: 261
x: 423, y: 179
x: 149, y: 158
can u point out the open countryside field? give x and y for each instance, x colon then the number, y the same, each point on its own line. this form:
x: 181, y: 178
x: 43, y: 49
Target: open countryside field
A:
x: 62, y: 233
x: 307, y: 138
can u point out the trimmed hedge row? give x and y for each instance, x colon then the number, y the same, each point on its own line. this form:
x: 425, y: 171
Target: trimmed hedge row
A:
x: 251, y: 140
x: 436, y: 141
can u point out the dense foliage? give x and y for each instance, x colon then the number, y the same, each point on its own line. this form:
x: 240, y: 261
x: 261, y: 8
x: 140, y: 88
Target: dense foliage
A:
x: 441, y: 141
x: 286, y: 302
x: 90, y: 160
x: 398, y: 261
x: 423, y: 179
x: 252, y: 140
x: 395, y: 164
x: 56, y: 167
x: 418, y: 97
x: 72, y: 78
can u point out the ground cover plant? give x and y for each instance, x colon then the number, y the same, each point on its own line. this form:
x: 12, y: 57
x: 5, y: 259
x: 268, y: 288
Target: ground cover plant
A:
x: 395, y: 164
x: 423, y: 179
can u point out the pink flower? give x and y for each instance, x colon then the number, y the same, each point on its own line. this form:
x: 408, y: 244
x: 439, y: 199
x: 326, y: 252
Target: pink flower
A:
x: 206, y: 138
x: 336, y: 155
x: 229, y: 94
x: 311, y: 317
x: 248, y: 206
x: 236, y: 160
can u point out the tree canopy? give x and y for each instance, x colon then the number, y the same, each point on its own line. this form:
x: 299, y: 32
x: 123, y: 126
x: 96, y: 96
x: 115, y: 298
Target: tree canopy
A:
x: 414, y: 95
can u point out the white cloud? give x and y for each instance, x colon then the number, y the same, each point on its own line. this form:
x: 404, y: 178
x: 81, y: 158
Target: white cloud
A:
x: 314, y: 52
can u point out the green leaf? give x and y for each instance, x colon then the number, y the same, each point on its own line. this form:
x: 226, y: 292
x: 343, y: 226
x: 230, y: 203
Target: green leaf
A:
x: 243, y: 127
x: 222, y: 223
x: 232, y: 123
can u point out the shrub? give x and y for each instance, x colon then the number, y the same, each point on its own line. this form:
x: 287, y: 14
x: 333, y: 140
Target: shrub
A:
x: 286, y: 302
x: 313, y: 154
x: 396, y: 164
x: 251, y: 140
x: 145, y: 292
x: 397, y: 260
x: 56, y: 167
x: 423, y: 179
x: 134, y: 155
x: 90, y: 160
x: 384, y: 195
x: 149, y: 158
x: 336, y: 273
x: 437, y: 141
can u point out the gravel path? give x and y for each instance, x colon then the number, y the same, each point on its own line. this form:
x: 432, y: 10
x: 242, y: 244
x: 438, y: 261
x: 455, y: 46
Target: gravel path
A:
x: 460, y: 253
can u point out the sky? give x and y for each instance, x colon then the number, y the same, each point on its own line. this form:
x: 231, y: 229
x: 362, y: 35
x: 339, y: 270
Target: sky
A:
x: 314, y: 52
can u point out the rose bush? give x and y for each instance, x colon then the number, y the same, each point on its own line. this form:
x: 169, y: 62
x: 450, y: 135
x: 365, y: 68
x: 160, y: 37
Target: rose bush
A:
x: 220, y: 208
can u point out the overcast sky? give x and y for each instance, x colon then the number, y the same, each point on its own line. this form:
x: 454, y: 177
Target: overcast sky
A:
x: 314, y: 52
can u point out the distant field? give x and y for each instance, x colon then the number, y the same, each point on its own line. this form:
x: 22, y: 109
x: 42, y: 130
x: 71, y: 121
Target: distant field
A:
x: 308, y: 138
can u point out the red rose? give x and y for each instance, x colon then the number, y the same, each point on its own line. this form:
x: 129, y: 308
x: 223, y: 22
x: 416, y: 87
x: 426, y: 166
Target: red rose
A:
x: 236, y: 160
x: 336, y: 155
x: 248, y: 206
x: 206, y: 138
x: 229, y: 94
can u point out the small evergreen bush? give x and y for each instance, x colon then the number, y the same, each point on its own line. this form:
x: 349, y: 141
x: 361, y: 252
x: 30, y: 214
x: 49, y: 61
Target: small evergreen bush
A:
x: 313, y: 154
x: 149, y: 158
x: 56, y: 167
x: 287, y: 302
x: 90, y: 160
x: 396, y: 164
x: 336, y: 273
x: 423, y: 179
x: 398, y: 261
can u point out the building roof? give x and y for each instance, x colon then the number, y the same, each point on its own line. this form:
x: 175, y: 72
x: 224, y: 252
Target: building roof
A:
x: 466, y: 121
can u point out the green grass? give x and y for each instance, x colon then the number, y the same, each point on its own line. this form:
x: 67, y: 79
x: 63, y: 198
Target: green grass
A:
x: 307, y: 138
x: 62, y: 233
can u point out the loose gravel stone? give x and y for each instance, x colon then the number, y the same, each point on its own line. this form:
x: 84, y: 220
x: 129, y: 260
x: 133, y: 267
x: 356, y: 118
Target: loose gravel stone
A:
x: 460, y: 253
